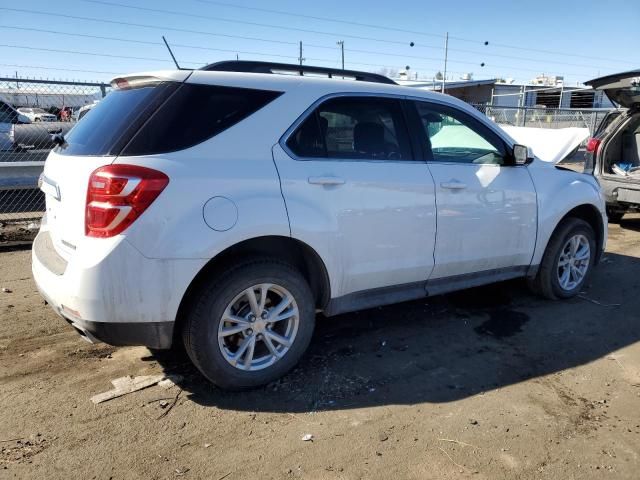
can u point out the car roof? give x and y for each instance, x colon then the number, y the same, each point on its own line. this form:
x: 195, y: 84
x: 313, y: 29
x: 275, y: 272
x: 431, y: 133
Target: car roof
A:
x: 285, y: 83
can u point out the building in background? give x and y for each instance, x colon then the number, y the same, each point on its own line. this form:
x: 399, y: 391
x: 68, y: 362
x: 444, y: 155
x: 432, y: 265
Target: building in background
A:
x: 542, y: 92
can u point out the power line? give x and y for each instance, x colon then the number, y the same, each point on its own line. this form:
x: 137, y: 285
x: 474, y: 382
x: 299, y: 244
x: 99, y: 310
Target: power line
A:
x: 244, y: 22
x: 282, y: 27
x: 258, y: 38
x: 143, y: 42
x: 142, y: 25
x: 77, y: 52
x: 40, y: 67
x: 395, y: 29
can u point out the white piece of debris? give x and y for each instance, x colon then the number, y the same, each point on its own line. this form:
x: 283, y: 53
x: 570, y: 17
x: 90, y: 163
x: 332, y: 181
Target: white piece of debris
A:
x: 6, y: 290
x: 548, y: 144
x: 129, y: 384
x: 307, y: 437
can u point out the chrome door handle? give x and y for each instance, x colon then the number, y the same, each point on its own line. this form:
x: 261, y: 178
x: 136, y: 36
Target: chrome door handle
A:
x: 326, y: 181
x: 453, y: 185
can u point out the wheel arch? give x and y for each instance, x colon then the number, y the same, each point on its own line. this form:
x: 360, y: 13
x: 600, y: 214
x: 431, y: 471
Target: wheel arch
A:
x: 291, y: 250
x: 590, y: 214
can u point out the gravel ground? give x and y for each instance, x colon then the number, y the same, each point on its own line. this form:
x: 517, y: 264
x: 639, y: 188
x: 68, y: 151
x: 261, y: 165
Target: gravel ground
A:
x: 487, y: 383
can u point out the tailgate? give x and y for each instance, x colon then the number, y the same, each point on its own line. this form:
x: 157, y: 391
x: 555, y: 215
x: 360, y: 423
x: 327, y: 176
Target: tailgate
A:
x: 65, y: 180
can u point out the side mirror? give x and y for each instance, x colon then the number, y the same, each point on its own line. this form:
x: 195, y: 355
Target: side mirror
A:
x: 522, y: 155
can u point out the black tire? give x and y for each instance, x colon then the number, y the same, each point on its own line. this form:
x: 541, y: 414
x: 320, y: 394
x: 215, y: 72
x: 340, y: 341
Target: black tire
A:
x: 200, y: 332
x: 615, y: 215
x: 546, y: 282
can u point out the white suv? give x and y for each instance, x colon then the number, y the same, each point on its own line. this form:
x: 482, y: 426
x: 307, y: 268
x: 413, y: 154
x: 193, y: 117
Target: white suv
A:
x: 227, y: 207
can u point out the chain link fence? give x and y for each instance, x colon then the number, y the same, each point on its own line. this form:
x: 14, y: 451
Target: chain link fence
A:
x: 545, y: 117
x: 31, y: 112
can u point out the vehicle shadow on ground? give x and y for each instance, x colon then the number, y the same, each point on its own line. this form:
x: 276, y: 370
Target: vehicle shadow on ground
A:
x: 444, y: 348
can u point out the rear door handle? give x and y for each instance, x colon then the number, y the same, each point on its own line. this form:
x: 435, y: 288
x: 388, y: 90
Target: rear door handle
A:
x: 453, y: 185
x: 326, y: 181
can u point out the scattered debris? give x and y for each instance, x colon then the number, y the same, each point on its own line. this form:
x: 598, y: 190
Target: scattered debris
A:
x: 129, y: 384
x: 7, y: 290
x: 207, y: 445
x: 307, y: 437
x: 458, y: 442
x: 181, y: 471
x: 449, y: 456
x: 383, y: 437
x: 173, y: 404
x: 596, y: 302
x: 473, y: 422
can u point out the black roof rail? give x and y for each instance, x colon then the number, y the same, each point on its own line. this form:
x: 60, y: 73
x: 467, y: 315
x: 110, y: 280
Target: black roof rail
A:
x: 249, y: 66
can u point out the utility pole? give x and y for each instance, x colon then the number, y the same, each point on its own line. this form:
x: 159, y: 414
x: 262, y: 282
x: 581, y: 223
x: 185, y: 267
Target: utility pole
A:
x: 446, y: 52
x: 300, y: 57
x: 341, y: 44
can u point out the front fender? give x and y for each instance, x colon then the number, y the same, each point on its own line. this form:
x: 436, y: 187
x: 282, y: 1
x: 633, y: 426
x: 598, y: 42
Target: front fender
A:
x: 559, y: 192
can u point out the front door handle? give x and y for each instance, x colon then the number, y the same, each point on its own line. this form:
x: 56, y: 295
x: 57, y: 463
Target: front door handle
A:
x: 326, y: 181
x: 453, y: 185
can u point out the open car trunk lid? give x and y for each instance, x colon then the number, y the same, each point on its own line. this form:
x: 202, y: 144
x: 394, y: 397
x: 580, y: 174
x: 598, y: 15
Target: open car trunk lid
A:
x: 621, y: 88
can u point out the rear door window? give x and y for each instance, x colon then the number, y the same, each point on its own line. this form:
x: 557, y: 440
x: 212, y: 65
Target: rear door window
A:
x: 354, y: 128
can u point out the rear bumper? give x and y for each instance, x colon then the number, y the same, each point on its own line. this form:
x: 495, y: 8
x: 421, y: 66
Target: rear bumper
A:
x: 114, y: 295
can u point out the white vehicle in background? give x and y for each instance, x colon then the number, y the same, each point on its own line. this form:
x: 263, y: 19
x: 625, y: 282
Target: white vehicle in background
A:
x: 82, y: 111
x: 37, y: 114
x: 9, y: 118
x: 224, y: 207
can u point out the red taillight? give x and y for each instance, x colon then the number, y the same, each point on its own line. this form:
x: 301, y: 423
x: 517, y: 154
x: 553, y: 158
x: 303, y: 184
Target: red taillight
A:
x: 593, y: 144
x: 117, y: 196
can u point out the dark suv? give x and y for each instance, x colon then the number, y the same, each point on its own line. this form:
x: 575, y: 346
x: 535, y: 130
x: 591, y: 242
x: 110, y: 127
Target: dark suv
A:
x: 613, y: 154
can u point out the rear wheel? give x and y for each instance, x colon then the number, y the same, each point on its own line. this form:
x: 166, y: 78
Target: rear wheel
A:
x: 567, y: 261
x: 251, y: 325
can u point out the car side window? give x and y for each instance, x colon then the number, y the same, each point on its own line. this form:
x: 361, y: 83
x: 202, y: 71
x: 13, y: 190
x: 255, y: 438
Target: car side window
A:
x: 354, y: 128
x: 454, y: 137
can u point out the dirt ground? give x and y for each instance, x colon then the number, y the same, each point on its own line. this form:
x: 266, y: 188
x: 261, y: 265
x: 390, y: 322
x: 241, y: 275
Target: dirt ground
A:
x: 488, y: 383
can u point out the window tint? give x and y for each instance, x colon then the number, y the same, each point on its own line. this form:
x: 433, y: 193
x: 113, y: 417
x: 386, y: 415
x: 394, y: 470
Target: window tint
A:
x: 194, y: 114
x: 452, y: 136
x: 6, y: 114
x: 359, y: 128
x: 115, y: 119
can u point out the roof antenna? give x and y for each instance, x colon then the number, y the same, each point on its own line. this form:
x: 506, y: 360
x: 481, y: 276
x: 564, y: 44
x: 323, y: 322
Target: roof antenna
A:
x: 171, y: 53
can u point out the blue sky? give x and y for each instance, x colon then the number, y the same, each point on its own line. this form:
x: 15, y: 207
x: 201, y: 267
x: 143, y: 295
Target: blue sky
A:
x: 525, y: 38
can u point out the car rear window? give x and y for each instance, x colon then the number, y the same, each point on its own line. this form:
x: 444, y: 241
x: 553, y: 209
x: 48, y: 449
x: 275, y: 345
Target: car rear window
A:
x: 194, y: 114
x: 161, y: 118
x: 114, y: 119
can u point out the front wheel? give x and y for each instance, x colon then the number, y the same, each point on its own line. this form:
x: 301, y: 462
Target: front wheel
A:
x: 251, y: 325
x: 567, y: 261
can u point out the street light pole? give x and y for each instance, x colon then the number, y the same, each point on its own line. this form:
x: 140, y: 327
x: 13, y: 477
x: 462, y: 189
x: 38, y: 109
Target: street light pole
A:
x: 446, y: 52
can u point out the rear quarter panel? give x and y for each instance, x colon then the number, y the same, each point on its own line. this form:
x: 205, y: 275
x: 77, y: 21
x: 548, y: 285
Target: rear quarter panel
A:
x: 236, y: 164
